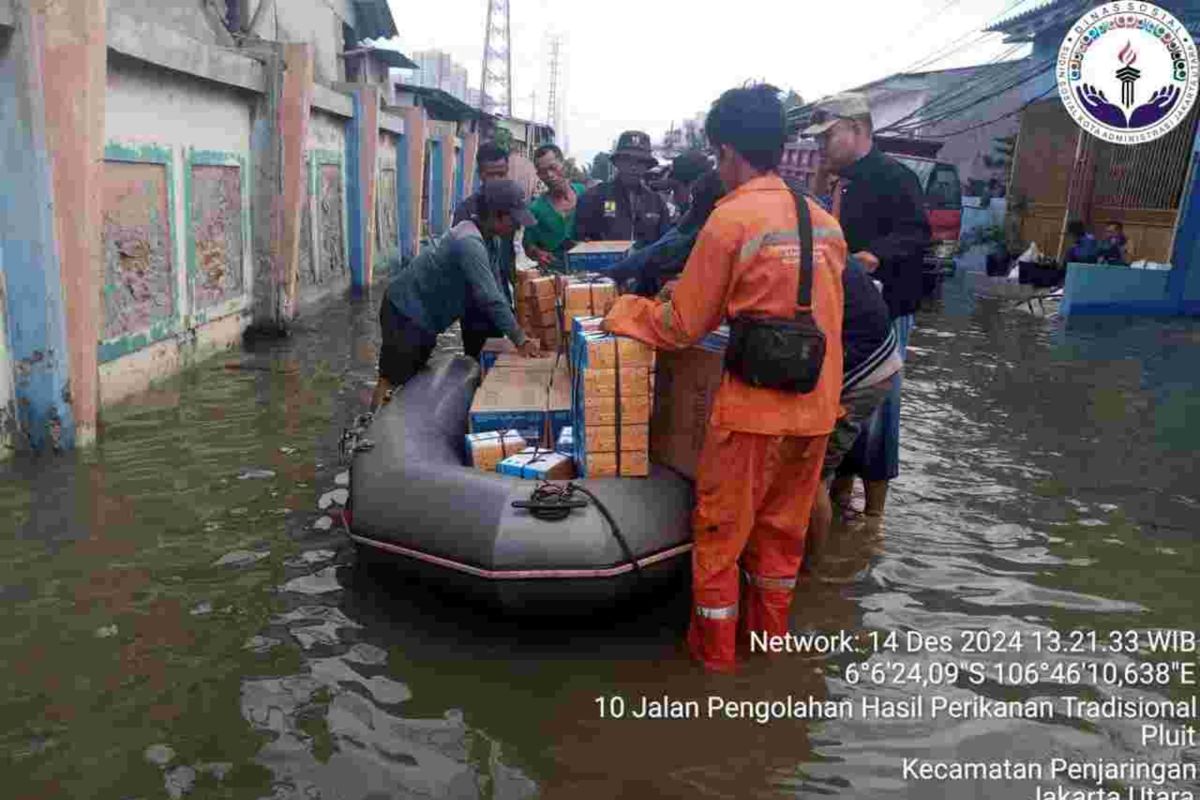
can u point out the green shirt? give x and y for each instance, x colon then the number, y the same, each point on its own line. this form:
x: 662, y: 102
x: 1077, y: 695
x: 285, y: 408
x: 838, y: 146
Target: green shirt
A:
x: 553, y: 229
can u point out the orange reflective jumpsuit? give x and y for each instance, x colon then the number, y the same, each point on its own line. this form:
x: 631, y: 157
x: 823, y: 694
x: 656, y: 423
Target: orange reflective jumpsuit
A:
x: 763, y: 448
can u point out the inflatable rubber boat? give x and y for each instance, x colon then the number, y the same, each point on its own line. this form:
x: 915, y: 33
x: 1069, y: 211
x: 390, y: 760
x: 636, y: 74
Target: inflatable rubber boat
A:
x: 529, y: 546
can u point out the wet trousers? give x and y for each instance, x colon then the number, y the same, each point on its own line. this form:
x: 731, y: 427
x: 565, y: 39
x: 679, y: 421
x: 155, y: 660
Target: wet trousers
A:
x: 754, y: 494
x: 875, y: 455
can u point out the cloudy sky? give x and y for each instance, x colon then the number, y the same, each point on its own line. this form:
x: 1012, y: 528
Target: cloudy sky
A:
x: 645, y: 63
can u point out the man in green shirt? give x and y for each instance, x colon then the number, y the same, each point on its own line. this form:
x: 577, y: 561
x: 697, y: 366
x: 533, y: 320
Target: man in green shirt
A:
x: 431, y: 292
x: 553, y: 233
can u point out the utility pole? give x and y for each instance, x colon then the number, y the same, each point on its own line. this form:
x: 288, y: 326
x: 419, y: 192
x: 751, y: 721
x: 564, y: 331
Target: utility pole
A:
x: 552, y: 106
x: 495, y: 90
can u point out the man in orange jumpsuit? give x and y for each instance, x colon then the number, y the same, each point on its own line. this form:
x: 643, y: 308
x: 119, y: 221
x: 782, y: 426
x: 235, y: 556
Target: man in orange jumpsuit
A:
x: 763, y: 448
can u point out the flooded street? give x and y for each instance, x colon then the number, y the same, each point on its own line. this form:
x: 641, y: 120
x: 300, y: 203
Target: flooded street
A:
x: 184, y: 619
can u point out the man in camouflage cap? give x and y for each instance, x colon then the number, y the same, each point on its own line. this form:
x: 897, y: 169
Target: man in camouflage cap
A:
x: 624, y: 208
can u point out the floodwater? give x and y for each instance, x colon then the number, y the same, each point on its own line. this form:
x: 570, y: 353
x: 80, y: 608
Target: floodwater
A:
x: 177, y: 622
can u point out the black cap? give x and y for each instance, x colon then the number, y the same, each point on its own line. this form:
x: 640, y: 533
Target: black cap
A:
x: 507, y: 197
x: 689, y: 166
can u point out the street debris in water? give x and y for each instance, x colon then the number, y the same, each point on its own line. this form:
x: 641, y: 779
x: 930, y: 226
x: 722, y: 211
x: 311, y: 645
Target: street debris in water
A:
x: 338, y: 496
x: 180, y: 781
x: 256, y: 474
x: 160, y: 754
x: 240, y: 558
x: 321, y: 582
x: 342, y: 478
x: 323, y: 524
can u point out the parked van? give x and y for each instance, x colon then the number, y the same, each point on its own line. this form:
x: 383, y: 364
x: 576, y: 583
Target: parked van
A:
x: 943, y: 208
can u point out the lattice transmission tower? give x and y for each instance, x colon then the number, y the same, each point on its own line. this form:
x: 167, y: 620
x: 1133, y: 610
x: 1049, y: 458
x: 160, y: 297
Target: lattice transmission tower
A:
x: 552, y: 108
x: 495, y: 91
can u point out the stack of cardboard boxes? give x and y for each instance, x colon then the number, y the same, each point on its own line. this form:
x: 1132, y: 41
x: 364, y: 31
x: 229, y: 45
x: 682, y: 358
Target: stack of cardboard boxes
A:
x: 611, y: 407
x: 612, y: 392
x: 586, y: 296
x: 529, y: 395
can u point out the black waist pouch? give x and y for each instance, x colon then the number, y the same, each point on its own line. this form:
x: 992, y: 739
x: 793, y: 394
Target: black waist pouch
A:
x: 780, y: 353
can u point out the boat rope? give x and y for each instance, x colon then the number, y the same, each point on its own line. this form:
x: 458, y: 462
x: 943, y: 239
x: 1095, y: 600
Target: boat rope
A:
x: 553, y: 502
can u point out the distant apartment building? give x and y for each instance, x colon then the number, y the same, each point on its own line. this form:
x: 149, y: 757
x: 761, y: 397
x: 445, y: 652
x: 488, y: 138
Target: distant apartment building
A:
x: 436, y: 70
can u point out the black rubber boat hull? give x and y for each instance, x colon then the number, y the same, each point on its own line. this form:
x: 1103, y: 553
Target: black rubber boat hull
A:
x: 442, y: 524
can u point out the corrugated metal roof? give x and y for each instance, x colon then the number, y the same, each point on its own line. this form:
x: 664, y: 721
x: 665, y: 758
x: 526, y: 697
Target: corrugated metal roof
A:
x: 373, y: 20
x: 393, y: 58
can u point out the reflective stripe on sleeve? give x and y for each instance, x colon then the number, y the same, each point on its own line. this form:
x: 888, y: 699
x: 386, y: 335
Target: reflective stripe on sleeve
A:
x: 718, y: 612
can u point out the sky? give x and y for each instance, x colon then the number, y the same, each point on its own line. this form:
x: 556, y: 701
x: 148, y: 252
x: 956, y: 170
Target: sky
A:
x: 632, y: 64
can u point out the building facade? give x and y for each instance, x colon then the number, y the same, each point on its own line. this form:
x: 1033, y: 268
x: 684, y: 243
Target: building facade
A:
x: 1061, y: 174
x: 198, y: 171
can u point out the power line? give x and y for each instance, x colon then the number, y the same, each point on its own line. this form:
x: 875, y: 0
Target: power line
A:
x: 960, y: 43
x: 1039, y: 68
x: 1015, y: 111
x: 953, y: 94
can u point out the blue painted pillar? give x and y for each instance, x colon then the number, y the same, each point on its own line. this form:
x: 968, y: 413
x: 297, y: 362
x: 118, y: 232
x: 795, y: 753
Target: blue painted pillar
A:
x: 29, y: 255
x: 459, y: 175
x: 1183, y: 283
x: 404, y: 233
x: 362, y: 146
x: 437, y: 205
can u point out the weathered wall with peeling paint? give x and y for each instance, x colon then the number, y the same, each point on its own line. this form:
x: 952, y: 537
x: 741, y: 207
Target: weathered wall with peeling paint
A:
x: 138, y: 284
x: 185, y: 16
x: 175, y: 236
x: 386, y: 222
x: 326, y: 131
x: 331, y: 224
x: 147, y: 104
x: 216, y: 227
x: 323, y: 265
x: 8, y: 408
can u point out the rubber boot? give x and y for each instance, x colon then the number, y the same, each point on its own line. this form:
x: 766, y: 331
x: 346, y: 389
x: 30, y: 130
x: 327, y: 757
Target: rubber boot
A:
x: 713, y: 642
x: 840, y: 492
x: 766, y: 611
x: 818, y: 529
x: 876, y: 497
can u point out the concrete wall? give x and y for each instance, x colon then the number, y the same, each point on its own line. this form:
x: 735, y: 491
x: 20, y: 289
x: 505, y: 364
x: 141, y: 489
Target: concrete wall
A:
x: 185, y: 16
x: 387, y: 235
x: 175, y: 223
x: 323, y: 253
x: 318, y: 22
x: 8, y: 397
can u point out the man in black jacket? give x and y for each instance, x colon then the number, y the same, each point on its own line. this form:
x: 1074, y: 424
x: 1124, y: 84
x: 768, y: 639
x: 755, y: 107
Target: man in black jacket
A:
x: 881, y: 209
x: 625, y: 208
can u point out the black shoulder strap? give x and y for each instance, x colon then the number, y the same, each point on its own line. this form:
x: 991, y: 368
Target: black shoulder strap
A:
x: 804, y: 291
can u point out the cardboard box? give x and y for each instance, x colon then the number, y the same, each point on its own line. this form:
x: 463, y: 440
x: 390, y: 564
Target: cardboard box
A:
x: 518, y: 361
x: 538, y: 464
x: 603, y: 410
x: 602, y: 438
x: 686, y: 383
x: 545, y: 317
x: 492, y: 348
x: 607, y: 389
x: 604, y: 465
x: 536, y: 402
x: 633, y: 382
x: 590, y: 296
x: 565, y: 444
x: 487, y: 449
x: 542, y: 288
x: 596, y: 256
